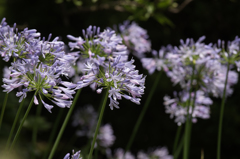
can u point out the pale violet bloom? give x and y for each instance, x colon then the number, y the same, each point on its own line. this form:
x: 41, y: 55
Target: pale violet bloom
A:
x: 177, y: 107
x: 120, y: 77
x: 216, y: 85
x: 95, y: 43
x: 202, y: 62
x: 74, y: 155
x: 158, y: 61
x: 38, y: 65
x: 12, y: 42
x: 41, y: 78
x: 6, y: 72
x: 119, y: 154
x: 85, y: 119
x: 105, y: 137
x: 135, y: 38
x: 161, y: 153
x: 158, y: 153
x: 142, y: 155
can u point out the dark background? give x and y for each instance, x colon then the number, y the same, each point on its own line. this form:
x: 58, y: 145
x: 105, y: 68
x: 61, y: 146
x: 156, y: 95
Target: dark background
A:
x: 216, y: 19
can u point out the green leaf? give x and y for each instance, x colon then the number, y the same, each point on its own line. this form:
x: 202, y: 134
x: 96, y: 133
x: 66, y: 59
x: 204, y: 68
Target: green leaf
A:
x: 163, y: 19
x: 164, y: 4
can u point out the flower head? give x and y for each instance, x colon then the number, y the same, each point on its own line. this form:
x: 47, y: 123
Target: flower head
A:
x: 119, y: 77
x: 105, y: 136
x: 158, y: 61
x: 95, y: 43
x: 74, y: 156
x: 200, y: 63
x: 177, y: 107
x: 38, y: 66
x: 135, y: 38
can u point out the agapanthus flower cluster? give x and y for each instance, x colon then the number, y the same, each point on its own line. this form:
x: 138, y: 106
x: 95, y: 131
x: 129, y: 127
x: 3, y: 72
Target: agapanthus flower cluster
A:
x: 192, y: 59
x: 230, y: 52
x: 177, y: 107
x: 106, y: 137
x: 13, y: 42
x: 38, y: 67
x: 74, y: 156
x: 158, y: 153
x: 96, y: 46
x: 119, y: 154
x: 106, y: 66
x: 200, y: 63
x: 120, y: 77
x: 86, y: 119
x: 94, y: 43
x: 135, y: 38
x: 158, y: 61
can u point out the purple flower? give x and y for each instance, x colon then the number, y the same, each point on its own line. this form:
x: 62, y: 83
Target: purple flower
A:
x: 94, y: 42
x: 106, y: 137
x: 74, y: 156
x: 13, y: 43
x: 177, y: 107
x: 158, y: 61
x: 39, y: 68
x: 135, y: 38
x: 119, y: 77
x: 159, y: 153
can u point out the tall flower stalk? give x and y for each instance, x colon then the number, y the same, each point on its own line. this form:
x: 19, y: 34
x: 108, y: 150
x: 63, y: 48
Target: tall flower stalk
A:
x: 106, y: 67
x: 3, y: 109
x: 188, y: 119
x: 188, y: 126
x: 64, y: 125
x: 175, y: 145
x: 14, y: 124
x: 53, y: 133
x: 35, y: 129
x: 38, y: 65
x: 221, y: 116
x: 230, y: 56
x: 98, y: 124
x: 144, y: 109
x: 22, y: 122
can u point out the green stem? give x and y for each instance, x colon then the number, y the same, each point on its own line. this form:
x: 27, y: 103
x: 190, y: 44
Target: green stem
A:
x: 96, y: 153
x: 21, y: 124
x: 186, y: 134
x: 177, y: 138
x: 14, y: 123
x: 190, y: 122
x: 146, y: 104
x: 178, y: 150
x: 98, y: 124
x: 3, y: 109
x: 35, y: 128
x: 64, y: 125
x: 53, y: 132
x: 221, y: 116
